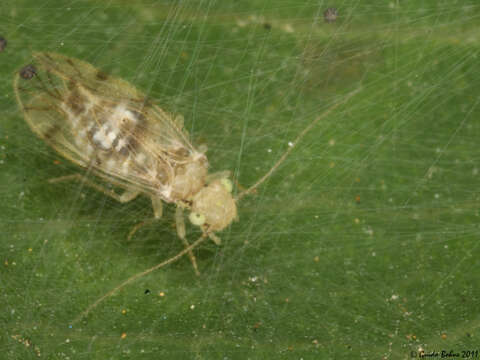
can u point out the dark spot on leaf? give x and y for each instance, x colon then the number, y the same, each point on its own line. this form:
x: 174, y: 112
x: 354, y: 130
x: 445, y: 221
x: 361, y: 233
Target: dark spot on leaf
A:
x: 147, y: 291
x: 28, y: 72
x: 3, y: 43
x: 330, y: 15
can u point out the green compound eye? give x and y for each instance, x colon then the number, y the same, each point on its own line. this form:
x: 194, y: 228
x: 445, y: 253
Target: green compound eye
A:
x: 196, y: 218
x: 227, y: 184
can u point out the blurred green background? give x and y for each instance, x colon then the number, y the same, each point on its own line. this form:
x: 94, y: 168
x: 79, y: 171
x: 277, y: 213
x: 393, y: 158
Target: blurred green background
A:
x: 364, y: 244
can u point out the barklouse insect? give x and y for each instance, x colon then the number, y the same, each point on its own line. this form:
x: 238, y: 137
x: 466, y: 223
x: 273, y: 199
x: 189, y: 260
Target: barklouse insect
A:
x: 109, y: 128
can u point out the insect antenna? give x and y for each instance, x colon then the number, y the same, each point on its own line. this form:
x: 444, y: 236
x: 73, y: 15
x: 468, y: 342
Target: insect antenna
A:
x: 292, y: 145
x: 137, y: 276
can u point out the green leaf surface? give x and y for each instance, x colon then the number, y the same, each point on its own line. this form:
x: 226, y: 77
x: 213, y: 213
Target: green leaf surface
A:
x: 362, y: 245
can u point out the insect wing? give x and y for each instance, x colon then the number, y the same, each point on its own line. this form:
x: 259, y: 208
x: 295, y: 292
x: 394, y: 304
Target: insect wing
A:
x: 101, y: 122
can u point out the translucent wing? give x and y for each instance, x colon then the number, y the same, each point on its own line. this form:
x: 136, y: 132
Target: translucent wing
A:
x: 103, y: 123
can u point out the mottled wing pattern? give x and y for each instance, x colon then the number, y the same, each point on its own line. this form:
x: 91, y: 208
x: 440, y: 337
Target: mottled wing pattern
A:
x: 102, y: 123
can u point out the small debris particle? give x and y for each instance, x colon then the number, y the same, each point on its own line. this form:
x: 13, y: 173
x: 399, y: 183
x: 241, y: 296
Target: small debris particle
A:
x: 147, y: 291
x: 3, y: 43
x: 315, y: 342
x: 124, y: 335
x: 330, y: 15
x: 28, y: 72
x: 30, y: 249
x: 444, y: 336
x: 316, y: 259
x: 204, y: 326
x: 368, y: 231
x: 5, y: 263
x: 27, y: 343
x: 67, y: 341
x: 288, y: 28
x: 357, y: 199
x: 357, y: 221
x: 192, y: 307
x: 287, y: 300
x: 241, y: 23
x: 124, y: 312
x: 331, y: 142
x: 269, y: 150
x: 290, y: 144
x: 57, y: 162
x: 161, y: 294
x: 257, y: 326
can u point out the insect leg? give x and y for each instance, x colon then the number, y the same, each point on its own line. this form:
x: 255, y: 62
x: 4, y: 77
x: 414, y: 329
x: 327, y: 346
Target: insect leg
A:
x: 215, y: 238
x: 123, y: 198
x: 179, y: 121
x: 138, y: 227
x: 181, y: 234
x: 157, y: 205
